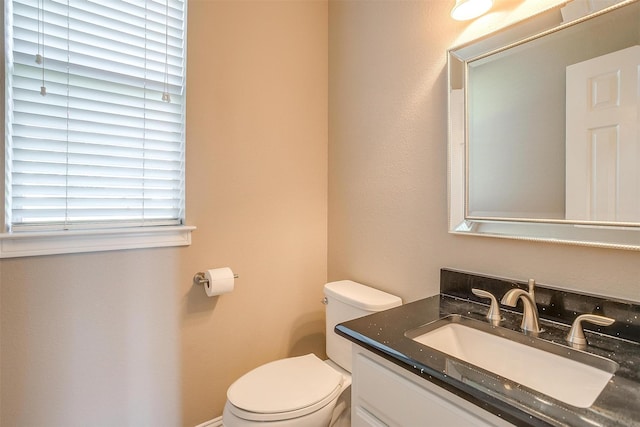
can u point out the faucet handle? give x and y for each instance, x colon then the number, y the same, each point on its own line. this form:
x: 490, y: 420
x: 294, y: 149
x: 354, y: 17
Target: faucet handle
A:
x: 576, y: 337
x: 494, y: 310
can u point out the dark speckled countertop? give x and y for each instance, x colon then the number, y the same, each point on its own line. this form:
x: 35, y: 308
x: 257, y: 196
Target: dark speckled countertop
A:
x: 617, y: 405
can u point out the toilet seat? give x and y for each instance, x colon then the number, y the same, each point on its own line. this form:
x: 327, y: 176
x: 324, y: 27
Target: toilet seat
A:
x: 284, y: 389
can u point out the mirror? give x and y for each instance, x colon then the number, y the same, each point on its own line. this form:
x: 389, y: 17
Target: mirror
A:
x: 544, y: 138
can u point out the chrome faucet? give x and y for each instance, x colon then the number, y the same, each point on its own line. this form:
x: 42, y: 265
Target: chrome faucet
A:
x: 530, y: 312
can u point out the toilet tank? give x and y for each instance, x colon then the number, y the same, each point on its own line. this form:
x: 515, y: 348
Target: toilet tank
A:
x: 347, y: 300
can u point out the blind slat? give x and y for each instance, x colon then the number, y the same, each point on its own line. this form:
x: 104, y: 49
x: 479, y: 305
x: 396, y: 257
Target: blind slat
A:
x: 101, y: 147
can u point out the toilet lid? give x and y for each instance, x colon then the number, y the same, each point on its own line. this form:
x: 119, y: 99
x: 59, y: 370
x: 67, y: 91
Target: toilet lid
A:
x: 285, y: 385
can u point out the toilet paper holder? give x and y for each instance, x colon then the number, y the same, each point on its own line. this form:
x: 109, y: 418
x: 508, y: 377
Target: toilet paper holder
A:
x: 199, y: 278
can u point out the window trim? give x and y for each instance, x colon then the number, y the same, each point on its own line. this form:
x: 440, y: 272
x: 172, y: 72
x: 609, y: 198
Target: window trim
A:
x: 24, y: 244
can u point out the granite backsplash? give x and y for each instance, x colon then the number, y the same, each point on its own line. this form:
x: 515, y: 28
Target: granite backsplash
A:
x: 554, y: 304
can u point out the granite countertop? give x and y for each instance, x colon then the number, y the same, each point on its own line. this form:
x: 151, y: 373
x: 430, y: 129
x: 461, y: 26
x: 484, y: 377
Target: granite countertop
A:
x: 617, y: 405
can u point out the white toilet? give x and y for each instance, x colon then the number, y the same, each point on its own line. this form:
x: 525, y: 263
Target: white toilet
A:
x: 305, y: 391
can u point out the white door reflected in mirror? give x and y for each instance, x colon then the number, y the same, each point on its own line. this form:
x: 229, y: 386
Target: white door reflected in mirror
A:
x: 603, y: 140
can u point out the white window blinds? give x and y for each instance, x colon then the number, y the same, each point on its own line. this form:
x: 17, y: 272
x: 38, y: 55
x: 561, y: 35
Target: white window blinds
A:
x: 101, y: 148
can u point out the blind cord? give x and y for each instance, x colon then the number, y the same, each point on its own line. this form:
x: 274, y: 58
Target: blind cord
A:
x: 144, y: 111
x: 40, y: 54
x: 66, y: 186
x: 165, y: 95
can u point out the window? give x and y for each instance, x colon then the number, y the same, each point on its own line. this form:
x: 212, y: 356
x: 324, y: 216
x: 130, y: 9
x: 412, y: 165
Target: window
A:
x: 94, y: 124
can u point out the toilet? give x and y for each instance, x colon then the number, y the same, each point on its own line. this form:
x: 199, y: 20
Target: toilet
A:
x: 306, y: 391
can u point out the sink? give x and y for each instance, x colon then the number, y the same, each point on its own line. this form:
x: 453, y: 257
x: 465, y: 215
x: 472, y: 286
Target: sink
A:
x: 573, y: 377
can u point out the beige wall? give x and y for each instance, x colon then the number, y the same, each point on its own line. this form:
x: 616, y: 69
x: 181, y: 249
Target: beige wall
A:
x: 123, y: 338
x: 388, y: 154
x: 257, y: 121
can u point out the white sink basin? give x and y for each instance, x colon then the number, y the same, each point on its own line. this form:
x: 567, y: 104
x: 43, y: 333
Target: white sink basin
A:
x: 545, y: 370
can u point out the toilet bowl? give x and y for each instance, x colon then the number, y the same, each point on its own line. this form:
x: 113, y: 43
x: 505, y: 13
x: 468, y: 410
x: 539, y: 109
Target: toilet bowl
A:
x: 306, y: 391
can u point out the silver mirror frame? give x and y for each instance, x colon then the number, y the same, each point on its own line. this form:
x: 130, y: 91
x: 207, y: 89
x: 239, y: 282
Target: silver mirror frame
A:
x: 604, y: 235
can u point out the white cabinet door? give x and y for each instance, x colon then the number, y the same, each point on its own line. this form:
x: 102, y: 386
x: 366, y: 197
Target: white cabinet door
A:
x: 603, y: 138
x: 384, y: 394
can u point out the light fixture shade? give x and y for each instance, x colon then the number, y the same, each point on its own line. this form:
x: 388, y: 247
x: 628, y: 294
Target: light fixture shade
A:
x: 469, y: 9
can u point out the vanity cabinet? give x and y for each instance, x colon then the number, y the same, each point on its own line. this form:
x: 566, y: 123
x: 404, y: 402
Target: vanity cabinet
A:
x: 383, y: 394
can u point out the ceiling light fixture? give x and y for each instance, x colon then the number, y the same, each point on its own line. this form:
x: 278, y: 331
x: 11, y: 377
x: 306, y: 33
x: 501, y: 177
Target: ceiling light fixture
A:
x: 469, y: 9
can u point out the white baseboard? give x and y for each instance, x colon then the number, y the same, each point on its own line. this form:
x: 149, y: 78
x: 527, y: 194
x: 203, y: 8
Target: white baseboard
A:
x: 216, y: 422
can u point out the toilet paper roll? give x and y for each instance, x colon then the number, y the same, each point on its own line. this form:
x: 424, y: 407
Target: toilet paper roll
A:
x: 218, y: 281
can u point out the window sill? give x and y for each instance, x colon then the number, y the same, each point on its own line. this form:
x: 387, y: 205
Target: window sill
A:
x: 25, y: 244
